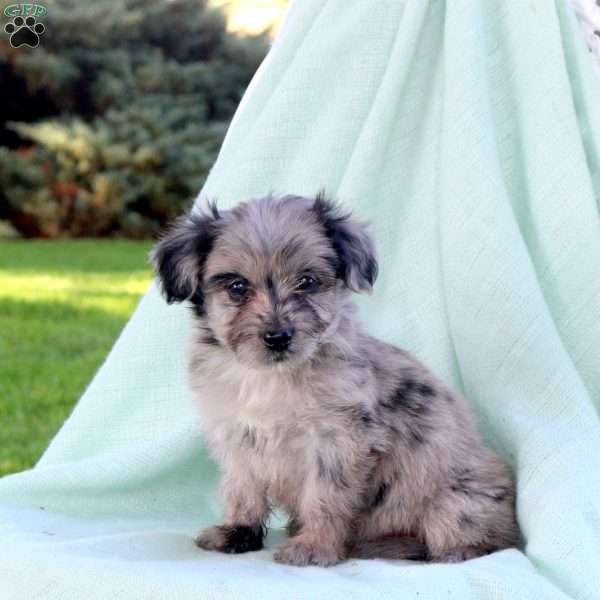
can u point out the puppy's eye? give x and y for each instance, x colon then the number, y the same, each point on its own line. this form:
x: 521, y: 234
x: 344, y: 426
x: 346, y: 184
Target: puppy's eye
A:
x: 307, y: 283
x: 237, y: 289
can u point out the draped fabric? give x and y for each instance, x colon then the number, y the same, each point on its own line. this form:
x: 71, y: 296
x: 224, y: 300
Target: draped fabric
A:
x: 467, y: 132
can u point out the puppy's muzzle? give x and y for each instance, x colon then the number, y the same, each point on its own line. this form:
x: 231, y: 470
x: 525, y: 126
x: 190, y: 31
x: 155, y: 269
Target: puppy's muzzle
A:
x: 278, y: 340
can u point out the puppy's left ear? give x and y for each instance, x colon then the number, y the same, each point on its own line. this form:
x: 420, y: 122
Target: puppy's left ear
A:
x: 354, y: 248
x: 180, y: 255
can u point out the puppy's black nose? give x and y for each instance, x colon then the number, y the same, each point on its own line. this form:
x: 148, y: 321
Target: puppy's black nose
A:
x: 278, y: 340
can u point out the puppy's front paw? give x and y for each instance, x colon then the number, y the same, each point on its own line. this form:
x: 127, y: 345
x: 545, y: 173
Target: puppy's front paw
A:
x: 301, y: 553
x: 231, y: 539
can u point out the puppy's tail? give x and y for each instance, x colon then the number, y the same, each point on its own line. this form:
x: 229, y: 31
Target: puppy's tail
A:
x: 389, y: 547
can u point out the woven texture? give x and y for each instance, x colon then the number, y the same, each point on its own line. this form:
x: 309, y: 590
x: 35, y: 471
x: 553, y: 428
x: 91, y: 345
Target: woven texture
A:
x: 464, y: 131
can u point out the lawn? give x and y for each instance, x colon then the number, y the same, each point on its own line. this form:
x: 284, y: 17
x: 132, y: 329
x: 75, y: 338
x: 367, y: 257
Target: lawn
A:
x: 62, y: 305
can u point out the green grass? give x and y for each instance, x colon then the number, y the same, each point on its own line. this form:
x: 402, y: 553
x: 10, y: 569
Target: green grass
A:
x: 62, y: 305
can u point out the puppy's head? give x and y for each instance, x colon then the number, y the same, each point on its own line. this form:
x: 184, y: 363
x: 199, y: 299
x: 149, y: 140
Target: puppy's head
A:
x: 269, y: 278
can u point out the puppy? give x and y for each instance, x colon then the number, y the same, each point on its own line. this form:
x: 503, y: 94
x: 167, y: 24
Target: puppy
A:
x: 365, y: 449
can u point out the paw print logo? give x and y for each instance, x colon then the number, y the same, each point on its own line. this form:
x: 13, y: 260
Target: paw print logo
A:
x: 24, y: 32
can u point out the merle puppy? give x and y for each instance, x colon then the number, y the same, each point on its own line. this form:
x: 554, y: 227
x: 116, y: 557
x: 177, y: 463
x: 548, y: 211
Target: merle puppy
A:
x: 367, y: 451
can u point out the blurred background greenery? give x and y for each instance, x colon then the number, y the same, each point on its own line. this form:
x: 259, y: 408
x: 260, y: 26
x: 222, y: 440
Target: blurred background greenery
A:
x: 111, y: 125
x: 109, y: 128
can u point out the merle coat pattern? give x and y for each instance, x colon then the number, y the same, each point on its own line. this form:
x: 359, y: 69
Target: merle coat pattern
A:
x: 368, y: 452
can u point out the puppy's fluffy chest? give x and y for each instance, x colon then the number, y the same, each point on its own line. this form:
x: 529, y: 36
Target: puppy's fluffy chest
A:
x: 268, y: 420
x: 257, y: 408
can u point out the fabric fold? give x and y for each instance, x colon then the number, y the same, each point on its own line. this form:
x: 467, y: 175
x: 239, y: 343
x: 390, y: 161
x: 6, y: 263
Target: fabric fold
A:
x: 467, y: 133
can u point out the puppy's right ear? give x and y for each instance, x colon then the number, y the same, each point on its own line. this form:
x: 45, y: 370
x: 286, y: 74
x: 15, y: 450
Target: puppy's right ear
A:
x: 180, y: 256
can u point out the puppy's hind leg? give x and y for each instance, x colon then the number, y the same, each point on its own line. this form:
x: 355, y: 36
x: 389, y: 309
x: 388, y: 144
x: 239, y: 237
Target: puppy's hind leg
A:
x: 473, y: 516
x: 390, y: 547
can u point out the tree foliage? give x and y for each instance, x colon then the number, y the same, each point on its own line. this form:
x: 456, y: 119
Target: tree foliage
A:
x: 113, y: 122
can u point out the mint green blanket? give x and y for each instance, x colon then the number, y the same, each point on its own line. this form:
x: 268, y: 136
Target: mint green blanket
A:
x: 467, y: 131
